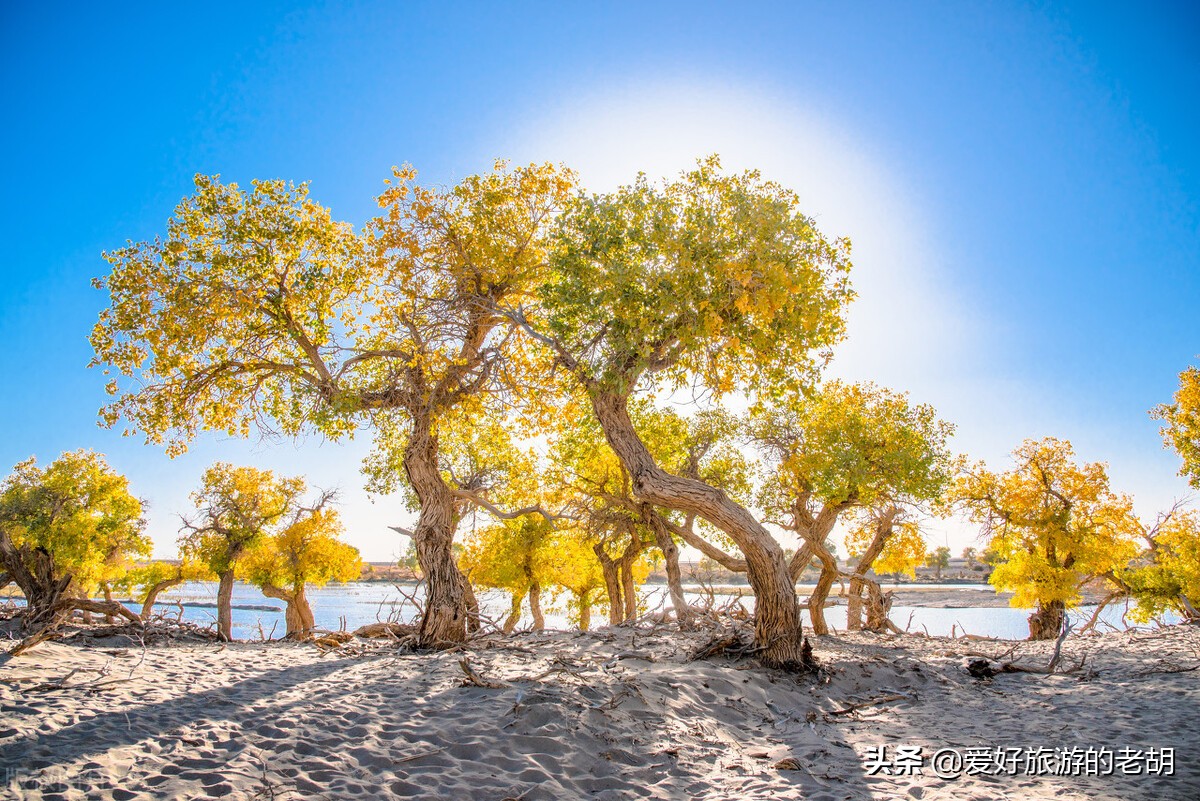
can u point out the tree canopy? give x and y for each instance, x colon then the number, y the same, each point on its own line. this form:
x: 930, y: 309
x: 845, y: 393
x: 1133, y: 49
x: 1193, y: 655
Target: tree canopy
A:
x: 1052, y: 524
x: 1181, y: 429
x: 66, y: 528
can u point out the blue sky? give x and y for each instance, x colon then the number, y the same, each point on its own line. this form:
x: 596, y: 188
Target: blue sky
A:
x: 1021, y: 182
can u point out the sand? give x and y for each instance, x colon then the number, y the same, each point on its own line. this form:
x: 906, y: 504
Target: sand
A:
x: 615, y: 714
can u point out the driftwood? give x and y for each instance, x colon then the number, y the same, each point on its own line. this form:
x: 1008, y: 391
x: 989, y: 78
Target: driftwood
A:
x: 473, y: 679
x: 983, y: 668
x: 385, y: 631
x: 886, y: 699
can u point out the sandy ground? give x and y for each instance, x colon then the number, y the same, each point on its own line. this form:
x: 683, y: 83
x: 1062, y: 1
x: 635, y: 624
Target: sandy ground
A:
x: 615, y: 714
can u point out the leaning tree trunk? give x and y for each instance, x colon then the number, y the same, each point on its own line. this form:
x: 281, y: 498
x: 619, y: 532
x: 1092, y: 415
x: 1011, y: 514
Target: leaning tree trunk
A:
x: 670, y: 552
x: 225, y: 606
x: 153, y: 593
x: 778, y: 630
x: 444, y: 619
x: 1047, y: 622
x: 612, y: 584
x: 535, y: 606
x: 514, y: 612
x: 820, y: 593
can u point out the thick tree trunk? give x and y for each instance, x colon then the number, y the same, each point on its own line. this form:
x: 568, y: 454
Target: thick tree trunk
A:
x: 820, y: 593
x: 1048, y: 621
x: 670, y: 552
x: 777, y: 624
x: 514, y: 613
x: 879, y: 608
x: 444, y: 619
x: 298, y: 614
x: 153, y: 593
x: 225, y: 606
x: 612, y: 583
x: 858, y: 581
x: 33, y: 571
x: 535, y: 606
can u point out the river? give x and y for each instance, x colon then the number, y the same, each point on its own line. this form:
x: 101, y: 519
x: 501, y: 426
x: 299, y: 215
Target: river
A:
x: 354, y: 604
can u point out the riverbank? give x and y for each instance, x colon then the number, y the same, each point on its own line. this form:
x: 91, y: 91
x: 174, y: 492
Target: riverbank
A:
x: 614, y: 714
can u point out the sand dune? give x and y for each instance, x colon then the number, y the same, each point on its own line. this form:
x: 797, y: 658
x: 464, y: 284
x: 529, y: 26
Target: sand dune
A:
x: 610, y: 715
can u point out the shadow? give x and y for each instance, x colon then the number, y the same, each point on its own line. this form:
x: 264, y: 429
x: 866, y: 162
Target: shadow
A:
x: 107, y: 730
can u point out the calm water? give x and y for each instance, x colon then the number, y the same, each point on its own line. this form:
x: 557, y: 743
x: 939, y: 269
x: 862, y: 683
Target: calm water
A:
x: 356, y: 604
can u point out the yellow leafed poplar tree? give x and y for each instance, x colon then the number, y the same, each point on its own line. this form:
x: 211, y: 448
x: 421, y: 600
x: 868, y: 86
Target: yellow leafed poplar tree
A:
x: 1052, y: 525
x: 712, y: 280
x: 258, y: 310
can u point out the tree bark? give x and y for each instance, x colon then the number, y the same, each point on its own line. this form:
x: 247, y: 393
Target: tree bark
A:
x: 225, y: 606
x: 514, y: 613
x: 535, y: 606
x: 612, y: 584
x: 670, y: 552
x: 816, y: 601
x: 879, y: 608
x: 298, y: 614
x: 107, y: 590
x: 1047, y: 622
x: 858, y: 581
x: 777, y: 625
x: 33, y: 571
x: 153, y: 593
x: 628, y: 588
x: 444, y: 619
x: 585, y: 611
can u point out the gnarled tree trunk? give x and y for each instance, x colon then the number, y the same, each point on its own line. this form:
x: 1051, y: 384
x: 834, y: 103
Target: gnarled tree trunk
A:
x: 444, y: 619
x: 858, y: 581
x: 33, y: 571
x: 514, y: 612
x: 153, y: 593
x: 298, y: 614
x: 670, y: 552
x: 1048, y: 621
x: 612, y: 584
x: 777, y: 624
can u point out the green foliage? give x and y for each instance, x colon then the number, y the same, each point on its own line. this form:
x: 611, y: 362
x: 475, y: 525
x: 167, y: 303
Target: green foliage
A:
x: 1167, y: 577
x: 713, y: 277
x: 143, y: 576
x: 855, y: 444
x: 80, y: 511
x: 1182, y: 424
x: 939, y: 557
